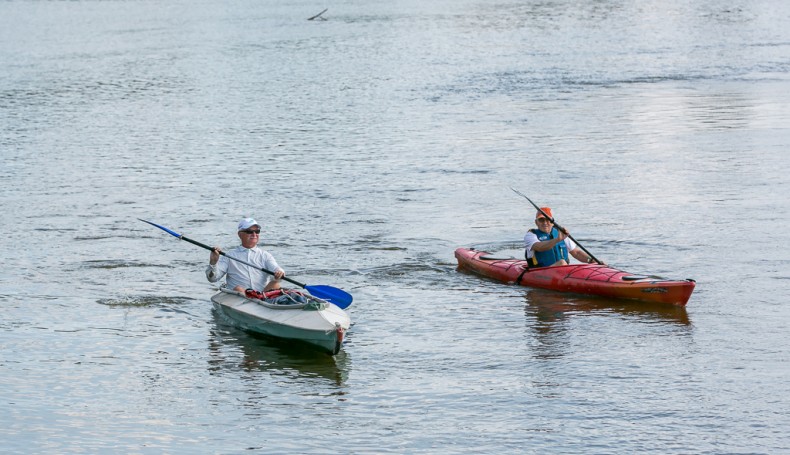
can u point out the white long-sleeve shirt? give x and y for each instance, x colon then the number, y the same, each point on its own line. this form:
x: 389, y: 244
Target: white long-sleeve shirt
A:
x: 239, y: 274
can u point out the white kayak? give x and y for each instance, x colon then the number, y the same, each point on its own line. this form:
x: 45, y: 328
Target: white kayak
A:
x: 308, y: 319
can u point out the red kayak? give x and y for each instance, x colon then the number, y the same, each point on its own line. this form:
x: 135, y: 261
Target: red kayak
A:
x: 591, y: 279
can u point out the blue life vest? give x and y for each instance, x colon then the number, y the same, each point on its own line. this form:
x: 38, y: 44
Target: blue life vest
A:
x: 549, y: 257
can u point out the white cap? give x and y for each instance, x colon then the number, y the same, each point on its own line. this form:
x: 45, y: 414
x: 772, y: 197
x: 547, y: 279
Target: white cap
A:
x: 247, y: 223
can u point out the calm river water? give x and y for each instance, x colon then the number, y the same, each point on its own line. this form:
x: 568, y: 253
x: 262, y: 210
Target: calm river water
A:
x: 371, y: 145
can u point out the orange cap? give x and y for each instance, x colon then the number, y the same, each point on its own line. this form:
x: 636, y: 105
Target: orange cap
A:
x: 546, y: 210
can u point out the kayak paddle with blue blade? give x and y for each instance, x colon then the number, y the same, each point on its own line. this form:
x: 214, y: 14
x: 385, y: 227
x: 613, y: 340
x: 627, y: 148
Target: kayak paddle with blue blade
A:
x: 337, y: 296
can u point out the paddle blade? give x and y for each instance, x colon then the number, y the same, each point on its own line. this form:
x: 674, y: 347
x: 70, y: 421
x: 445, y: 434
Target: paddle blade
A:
x: 337, y: 296
x: 174, y: 234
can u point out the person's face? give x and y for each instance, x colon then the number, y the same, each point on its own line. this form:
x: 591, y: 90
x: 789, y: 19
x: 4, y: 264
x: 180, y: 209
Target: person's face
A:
x: 250, y: 236
x: 543, y: 224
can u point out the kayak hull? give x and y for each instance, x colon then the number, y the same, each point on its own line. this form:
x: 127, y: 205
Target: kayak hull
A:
x: 324, y: 328
x: 589, y: 279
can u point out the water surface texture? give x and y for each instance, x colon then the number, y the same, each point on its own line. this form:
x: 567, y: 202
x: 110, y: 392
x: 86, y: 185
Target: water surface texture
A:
x: 370, y: 145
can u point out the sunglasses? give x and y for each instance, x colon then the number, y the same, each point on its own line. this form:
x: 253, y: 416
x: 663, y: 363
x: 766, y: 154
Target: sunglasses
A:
x: 544, y: 220
x: 252, y: 231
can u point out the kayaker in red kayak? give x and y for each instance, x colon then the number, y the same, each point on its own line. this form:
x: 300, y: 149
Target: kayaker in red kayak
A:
x: 548, y: 246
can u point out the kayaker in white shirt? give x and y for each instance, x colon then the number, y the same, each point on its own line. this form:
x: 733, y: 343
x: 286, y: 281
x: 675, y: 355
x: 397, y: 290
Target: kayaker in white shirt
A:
x: 548, y: 246
x: 241, y: 277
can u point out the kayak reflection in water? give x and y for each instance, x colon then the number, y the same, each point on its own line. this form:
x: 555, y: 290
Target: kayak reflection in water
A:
x: 241, y: 277
x: 549, y: 246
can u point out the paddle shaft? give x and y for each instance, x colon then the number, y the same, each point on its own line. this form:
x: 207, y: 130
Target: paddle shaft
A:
x: 557, y: 225
x: 195, y: 242
x: 339, y: 297
x: 203, y: 245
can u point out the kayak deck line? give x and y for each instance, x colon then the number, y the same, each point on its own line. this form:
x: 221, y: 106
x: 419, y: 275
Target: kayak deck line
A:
x: 490, y: 258
x: 276, y: 306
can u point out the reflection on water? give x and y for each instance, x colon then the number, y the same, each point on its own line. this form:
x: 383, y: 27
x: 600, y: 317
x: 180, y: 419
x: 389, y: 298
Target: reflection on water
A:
x: 548, y: 314
x: 234, y: 349
x: 548, y: 304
